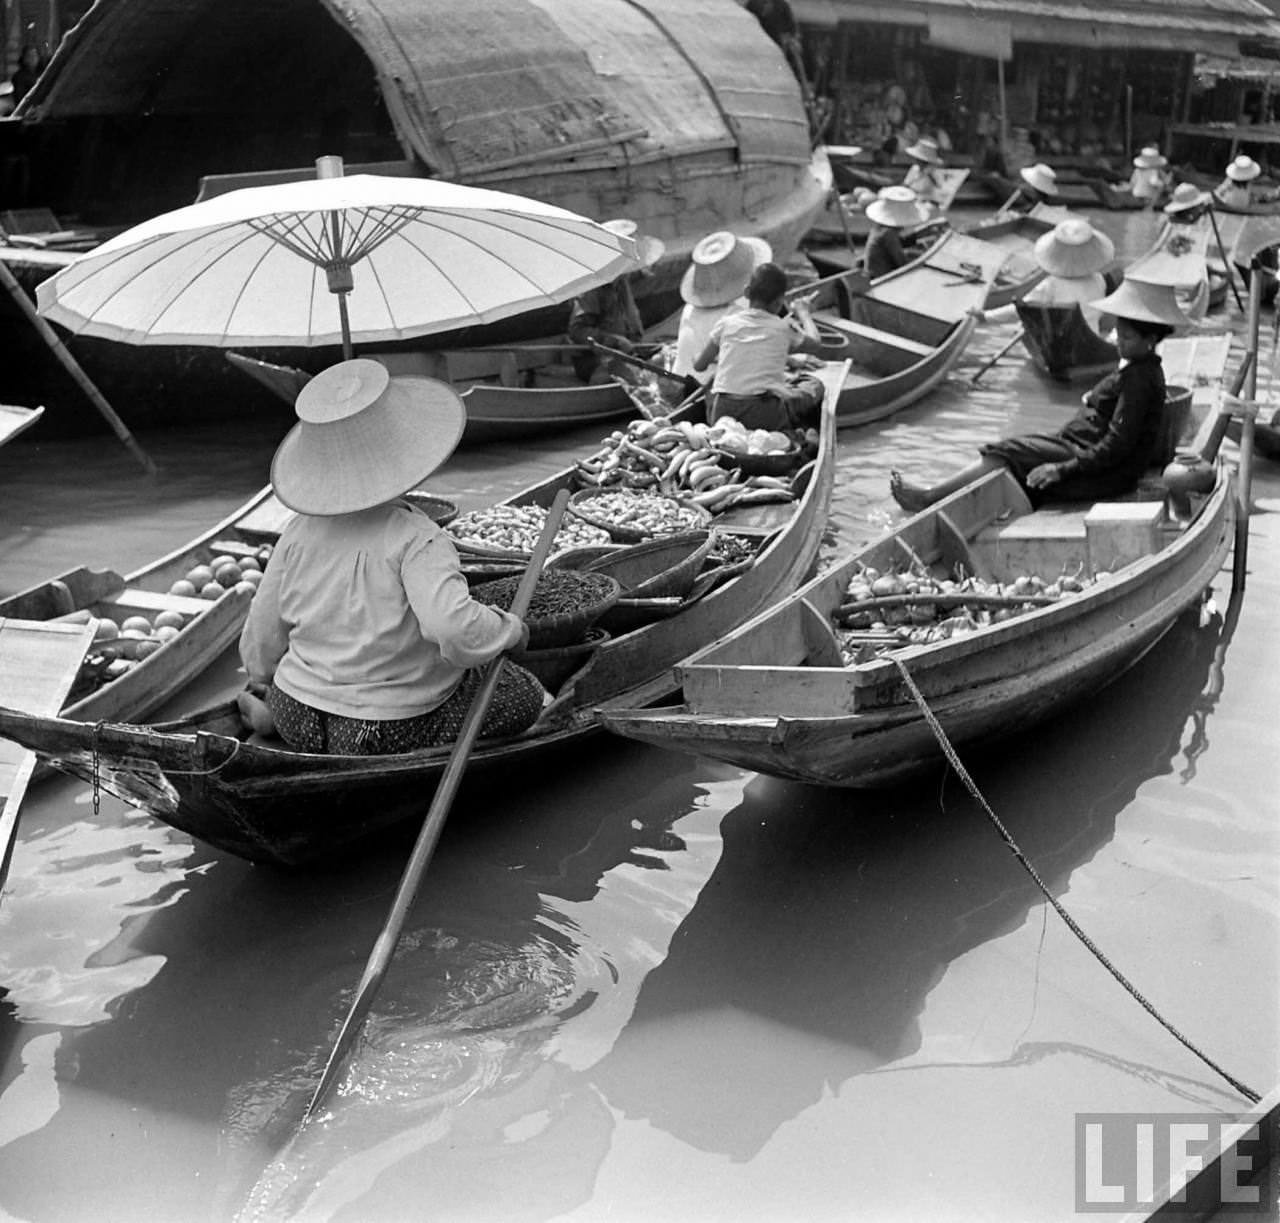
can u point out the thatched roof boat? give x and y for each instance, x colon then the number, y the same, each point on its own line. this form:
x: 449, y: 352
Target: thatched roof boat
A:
x: 680, y: 114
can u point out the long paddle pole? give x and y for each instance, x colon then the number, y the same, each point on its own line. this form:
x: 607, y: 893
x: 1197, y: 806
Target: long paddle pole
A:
x: 1226, y: 263
x: 1244, y: 473
x: 72, y: 366
x: 423, y: 849
x: 1022, y: 331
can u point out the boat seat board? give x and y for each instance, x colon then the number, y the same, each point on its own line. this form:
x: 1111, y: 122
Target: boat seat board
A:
x: 862, y: 332
x: 136, y: 599
x: 268, y: 519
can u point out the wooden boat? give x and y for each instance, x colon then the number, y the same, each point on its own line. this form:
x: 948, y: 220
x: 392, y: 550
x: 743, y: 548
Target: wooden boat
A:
x: 905, y: 333
x: 268, y: 804
x: 542, y: 400
x: 210, y: 625
x: 1062, y: 344
x: 1266, y: 436
x: 14, y: 420
x: 778, y: 696
x: 411, y: 90
x: 1016, y: 235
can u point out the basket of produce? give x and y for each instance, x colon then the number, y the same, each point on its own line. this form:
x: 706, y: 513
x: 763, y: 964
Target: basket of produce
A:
x: 440, y: 510
x: 630, y: 517
x: 663, y: 567
x: 553, y: 666
x: 583, y: 557
x: 755, y: 452
x: 509, y: 532
x: 565, y: 604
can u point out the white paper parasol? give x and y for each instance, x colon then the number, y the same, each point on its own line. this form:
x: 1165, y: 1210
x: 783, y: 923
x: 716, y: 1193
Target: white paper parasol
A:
x: 259, y: 266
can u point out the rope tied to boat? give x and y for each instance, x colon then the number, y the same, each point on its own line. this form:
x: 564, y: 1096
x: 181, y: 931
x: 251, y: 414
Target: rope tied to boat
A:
x: 954, y: 760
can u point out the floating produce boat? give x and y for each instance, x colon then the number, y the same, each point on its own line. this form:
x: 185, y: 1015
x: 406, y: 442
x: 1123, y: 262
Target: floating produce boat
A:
x: 268, y: 804
x: 1063, y: 345
x: 1016, y: 235
x: 1058, y: 602
x: 906, y: 332
x: 682, y: 115
x: 168, y: 638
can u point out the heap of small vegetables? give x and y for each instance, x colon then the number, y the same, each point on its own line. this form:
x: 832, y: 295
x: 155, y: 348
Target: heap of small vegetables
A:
x: 515, y: 528
x: 650, y: 513
x: 886, y: 611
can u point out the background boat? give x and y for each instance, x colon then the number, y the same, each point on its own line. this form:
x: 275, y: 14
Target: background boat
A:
x: 608, y: 108
x: 1063, y: 345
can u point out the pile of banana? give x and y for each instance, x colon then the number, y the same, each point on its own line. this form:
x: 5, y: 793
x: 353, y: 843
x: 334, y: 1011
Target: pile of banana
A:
x: 680, y: 459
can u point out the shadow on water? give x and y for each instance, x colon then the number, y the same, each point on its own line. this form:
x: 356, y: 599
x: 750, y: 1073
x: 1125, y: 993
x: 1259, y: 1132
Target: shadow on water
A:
x: 832, y: 915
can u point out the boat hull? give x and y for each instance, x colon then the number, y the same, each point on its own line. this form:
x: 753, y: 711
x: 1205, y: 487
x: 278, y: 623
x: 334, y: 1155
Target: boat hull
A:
x: 1062, y: 345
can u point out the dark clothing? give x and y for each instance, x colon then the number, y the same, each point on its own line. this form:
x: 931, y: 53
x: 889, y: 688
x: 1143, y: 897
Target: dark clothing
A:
x: 775, y: 18
x: 797, y: 409
x: 884, y: 252
x: 606, y: 315
x: 1105, y: 448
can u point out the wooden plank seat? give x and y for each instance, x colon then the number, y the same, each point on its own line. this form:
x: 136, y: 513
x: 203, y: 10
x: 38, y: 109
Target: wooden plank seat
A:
x: 862, y: 331
x: 140, y: 600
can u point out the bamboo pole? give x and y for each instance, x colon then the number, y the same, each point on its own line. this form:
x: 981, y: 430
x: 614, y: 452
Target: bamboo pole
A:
x: 1244, y: 473
x: 1226, y: 263
x: 72, y: 366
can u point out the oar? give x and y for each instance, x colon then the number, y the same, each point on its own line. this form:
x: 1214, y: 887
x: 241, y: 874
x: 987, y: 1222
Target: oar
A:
x: 385, y: 945
x: 1226, y: 263
x: 689, y: 384
x: 1021, y: 332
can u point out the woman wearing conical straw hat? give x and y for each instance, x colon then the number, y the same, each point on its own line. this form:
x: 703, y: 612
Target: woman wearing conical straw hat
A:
x: 922, y: 177
x: 1239, y: 192
x: 1039, y: 185
x: 1104, y: 450
x: 1073, y: 255
x: 1186, y: 215
x: 1150, y: 178
x: 893, y: 210
x: 363, y: 637
x: 714, y: 284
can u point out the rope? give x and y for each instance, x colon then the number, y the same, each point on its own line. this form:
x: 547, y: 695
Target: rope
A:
x: 954, y: 760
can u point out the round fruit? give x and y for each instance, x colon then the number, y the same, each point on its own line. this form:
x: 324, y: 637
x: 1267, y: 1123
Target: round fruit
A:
x: 183, y: 587
x: 220, y: 560
x: 140, y: 623
x: 227, y: 575
x: 249, y: 563
x: 135, y: 634
x: 201, y: 575
x: 212, y: 590
x: 252, y: 576
x: 147, y: 647
x: 169, y: 619
x: 245, y: 588
x: 166, y: 632
x: 106, y: 630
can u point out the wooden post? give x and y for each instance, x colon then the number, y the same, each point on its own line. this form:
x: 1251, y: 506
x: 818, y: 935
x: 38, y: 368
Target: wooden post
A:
x: 1244, y: 474
x: 59, y: 349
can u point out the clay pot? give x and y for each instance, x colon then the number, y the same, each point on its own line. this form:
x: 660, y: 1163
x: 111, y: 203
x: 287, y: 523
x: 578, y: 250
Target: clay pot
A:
x: 1189, y: 472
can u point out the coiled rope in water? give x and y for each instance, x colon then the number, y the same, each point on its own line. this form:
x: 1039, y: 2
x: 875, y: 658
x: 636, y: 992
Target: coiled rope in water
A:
x: 961, y: 772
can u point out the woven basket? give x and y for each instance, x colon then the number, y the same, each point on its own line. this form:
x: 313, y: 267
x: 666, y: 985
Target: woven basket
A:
x: 659, y: 568
x: 554, y: 666
x: 441, y: 510
x: 563, y: 628
x: 628, y: 614
x: 580, y: 505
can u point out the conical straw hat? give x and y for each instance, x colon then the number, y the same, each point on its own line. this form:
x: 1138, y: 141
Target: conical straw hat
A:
x: 1074, y: 248
x: 364, y: 437
x: 1041, y: 177
x: 1143, y: 302
x: 1150, y: 159
x: 722, y: 266
x: 925, y: 149
x: 1244, y: 169
x: 650, y: 249
x: 1185, y: 197
x: 896, y: 207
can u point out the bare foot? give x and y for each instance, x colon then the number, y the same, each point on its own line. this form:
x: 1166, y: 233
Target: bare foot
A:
x: 911, y: 497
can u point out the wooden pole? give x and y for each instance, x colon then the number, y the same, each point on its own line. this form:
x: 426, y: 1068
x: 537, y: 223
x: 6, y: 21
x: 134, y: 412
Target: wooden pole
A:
x: 1022, y: 331
x: 1244, y: 473
x: 1226, y: 263
x: 384, y: 947
x: 72, y: 366
x: 1004, y: 109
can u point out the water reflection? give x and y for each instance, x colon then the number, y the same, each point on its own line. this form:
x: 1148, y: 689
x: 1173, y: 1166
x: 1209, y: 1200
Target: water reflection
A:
x: 832, y: 915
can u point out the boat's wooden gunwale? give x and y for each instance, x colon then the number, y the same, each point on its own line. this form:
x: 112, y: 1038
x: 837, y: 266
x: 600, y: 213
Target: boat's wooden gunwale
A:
x: 1051, y: 330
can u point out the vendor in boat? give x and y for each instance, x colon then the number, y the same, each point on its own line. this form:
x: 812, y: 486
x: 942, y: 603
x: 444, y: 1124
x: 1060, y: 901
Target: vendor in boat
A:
x: 893, y: 211
x: 750, y: 348
x: 608, y: 315
x: 1073, y: 255
x: 1149, y: 180
x: 1039, y: 185
x: 923, y: 177
x: 1239, y: 192
x: 1187, y: 209
x: 363, y: 638
x: 714, y: 284
x: 1104, y: 450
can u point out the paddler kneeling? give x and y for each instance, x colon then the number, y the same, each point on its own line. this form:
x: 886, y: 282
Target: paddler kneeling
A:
x: 363, y: 638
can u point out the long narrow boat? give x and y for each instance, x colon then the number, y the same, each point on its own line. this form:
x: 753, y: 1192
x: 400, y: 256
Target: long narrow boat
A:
x: 268, y: 804
x: 906, y: 332
x: 208, y: 625
x: 793, y: 695
x: 1016, y: 235
x: 1062, y: 344
x: 539, y: 396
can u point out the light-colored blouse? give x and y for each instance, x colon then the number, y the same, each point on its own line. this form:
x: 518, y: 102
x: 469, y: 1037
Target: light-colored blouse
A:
x: 368, y: 615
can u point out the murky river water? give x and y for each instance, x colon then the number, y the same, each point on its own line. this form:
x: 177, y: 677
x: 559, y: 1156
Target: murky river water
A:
x: 642, y: 987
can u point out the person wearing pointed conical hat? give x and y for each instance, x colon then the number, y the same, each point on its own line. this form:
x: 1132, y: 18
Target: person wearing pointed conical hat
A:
x: 1187, y: 217
x: 363, y: 637
x: 1038, y: 185
x: 893, y: 210
x: 1104, y: 450
x: 1238, y: 191
x: 1149, y: 180
x: 922, y: 176
x: 1073, y: 256
x: 609, y: 315
x: 714, y: 283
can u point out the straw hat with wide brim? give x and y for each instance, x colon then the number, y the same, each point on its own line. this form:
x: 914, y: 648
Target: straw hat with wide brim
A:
x: 1150, y: 159
x: 1185, y: 197
x: 1143, y: 302
x: 722, y: 266
x: 649, y: 249
x: 1041, y: 177
x: 364, y: 437
x: 1074, y: 248
x: 925, y: 149
x: 1244, y: 169
x: 896, y: 207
